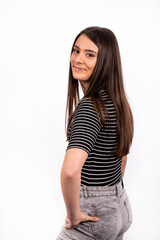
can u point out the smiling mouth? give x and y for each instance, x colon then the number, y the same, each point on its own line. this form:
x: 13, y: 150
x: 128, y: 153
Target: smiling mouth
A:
x: 77, y: 69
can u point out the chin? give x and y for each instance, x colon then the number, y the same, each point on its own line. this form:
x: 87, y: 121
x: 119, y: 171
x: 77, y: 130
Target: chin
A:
x: 76, y: 76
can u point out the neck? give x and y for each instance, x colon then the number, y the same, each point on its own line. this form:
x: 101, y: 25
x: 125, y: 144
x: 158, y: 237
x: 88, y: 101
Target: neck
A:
x: 84, y: 85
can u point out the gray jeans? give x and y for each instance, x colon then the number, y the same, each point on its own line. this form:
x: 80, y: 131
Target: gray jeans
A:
x: 111, y: 205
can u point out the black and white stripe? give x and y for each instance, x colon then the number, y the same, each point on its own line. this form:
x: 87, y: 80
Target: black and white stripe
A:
x: 101, y: 166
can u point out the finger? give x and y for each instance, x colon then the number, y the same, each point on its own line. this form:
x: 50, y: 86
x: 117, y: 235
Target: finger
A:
x: 67, y: 223
x: 68, y: 226
x: 93, y: 219
x: 67, y: 220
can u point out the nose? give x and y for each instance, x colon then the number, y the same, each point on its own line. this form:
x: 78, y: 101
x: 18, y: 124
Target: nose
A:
x: 79, y: 58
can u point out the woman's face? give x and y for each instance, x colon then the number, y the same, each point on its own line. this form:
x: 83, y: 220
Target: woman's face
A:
x: 83, y: 58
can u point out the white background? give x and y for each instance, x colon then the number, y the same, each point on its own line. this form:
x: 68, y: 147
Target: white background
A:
x: 35, y: 42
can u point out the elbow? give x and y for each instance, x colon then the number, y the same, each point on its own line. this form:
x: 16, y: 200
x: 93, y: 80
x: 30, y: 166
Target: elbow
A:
x: 69, y: 174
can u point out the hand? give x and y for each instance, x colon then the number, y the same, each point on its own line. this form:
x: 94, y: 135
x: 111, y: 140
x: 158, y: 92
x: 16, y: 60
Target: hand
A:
x: 83, y: 217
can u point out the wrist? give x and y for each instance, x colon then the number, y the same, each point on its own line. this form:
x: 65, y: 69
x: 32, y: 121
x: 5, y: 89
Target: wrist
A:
x: 74, y: 216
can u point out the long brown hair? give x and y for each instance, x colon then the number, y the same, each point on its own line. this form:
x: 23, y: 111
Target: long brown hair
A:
x: 107, y: 75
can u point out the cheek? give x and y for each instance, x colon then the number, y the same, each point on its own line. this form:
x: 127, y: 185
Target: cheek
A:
x: 72, y: 58
x: 92, y: 66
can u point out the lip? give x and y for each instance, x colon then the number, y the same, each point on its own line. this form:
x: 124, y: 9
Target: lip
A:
x: 78, y: 69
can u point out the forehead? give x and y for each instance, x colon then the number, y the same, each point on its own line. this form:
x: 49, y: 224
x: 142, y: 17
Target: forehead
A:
x: 83, y: 42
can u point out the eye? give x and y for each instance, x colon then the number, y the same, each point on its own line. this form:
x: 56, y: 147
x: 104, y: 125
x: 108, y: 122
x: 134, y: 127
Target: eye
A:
x: 89, y: 55
x: 75, y: 50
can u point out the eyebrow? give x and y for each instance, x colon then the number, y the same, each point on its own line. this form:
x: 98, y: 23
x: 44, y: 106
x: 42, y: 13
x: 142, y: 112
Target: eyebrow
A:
x: 86, y: 50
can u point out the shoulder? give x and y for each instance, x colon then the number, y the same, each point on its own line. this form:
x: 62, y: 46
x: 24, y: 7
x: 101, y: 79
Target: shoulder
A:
x: 86, y: 106
x: 85, y: 101
x: 86, y: 114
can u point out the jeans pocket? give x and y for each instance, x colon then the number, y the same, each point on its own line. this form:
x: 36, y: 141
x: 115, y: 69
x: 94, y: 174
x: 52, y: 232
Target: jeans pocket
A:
x: 129, y: 210
x: 105, y: 228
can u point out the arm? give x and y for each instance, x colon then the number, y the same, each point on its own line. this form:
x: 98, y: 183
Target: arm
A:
x: 70, y: 184
x: 123, y: 166
x: 85, y: 129
x: 70, y: 180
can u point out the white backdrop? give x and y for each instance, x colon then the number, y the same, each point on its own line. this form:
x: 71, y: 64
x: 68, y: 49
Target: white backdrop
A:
x: 35, y: 42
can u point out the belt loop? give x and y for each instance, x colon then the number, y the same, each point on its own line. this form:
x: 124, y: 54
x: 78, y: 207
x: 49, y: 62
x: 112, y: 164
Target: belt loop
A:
x: 117, y: 190
x: 85, y: 192
x: 122, y: 184
x: 119, y: 186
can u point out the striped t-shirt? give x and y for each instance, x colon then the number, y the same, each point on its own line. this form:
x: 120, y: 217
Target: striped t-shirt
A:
x: 101, y: 167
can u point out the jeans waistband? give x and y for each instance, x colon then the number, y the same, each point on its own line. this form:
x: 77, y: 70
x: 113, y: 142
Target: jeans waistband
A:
x: 95, y: 191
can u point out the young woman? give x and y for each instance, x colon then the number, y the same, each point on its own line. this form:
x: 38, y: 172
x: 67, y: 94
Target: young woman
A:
x: 100, y: 132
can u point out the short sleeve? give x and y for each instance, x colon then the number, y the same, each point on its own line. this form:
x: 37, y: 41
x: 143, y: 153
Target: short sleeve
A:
x: 85, y: 127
